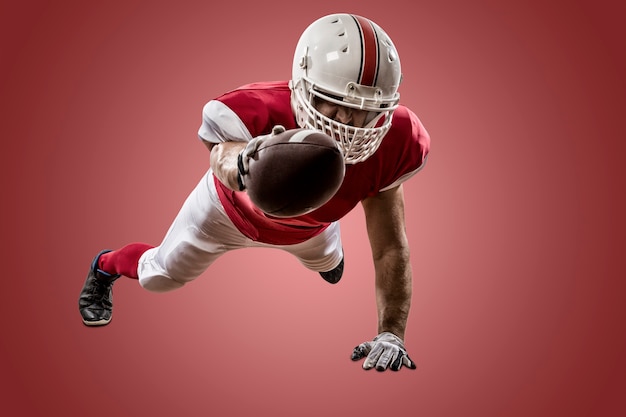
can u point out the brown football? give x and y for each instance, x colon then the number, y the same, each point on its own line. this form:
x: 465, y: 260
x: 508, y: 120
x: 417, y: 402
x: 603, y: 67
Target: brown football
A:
x: 294, y: 172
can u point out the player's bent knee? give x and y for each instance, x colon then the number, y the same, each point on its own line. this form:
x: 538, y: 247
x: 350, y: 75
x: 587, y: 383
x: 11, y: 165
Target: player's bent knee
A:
x: 159, y: 283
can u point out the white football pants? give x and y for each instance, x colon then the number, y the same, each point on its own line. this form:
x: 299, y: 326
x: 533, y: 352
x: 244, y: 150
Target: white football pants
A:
x: 202, y: 232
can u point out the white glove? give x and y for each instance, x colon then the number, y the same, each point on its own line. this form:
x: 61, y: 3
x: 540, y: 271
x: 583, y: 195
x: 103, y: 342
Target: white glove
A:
x: 243, y: 160
x: 385, y: 351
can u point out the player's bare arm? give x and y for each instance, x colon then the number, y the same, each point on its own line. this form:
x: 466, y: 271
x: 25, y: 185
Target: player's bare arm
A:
x: 384, y: 215
x: 224, y: 162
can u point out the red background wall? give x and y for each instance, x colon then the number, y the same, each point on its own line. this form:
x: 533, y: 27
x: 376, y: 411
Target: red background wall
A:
x: 516, y: 224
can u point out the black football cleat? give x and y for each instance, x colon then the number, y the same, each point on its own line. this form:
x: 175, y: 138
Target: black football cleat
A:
x: 96, y: 298
x: 334, y: 275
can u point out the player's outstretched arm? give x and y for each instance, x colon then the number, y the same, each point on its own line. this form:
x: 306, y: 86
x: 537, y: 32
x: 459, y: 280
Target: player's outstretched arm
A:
x: 384, y: 215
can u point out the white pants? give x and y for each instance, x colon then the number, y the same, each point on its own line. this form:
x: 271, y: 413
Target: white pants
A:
x: 202, y: 232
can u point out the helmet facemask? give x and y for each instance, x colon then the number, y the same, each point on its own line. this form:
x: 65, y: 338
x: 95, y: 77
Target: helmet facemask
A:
x: 356, y: 143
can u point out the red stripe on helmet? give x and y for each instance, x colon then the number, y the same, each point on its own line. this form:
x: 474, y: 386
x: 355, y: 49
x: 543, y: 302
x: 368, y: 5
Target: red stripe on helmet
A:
x: 369, y: 47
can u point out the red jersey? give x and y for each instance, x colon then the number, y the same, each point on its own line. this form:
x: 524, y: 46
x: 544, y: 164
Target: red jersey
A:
x: 260, y: 107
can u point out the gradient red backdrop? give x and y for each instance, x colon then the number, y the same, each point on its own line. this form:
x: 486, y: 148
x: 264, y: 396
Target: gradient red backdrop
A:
x: 516, y: 224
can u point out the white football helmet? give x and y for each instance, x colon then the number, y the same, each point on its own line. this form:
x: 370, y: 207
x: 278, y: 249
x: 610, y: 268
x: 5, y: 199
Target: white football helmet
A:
x: 350, y: 61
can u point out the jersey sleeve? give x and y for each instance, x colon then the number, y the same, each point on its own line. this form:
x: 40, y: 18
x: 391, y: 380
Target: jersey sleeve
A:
x: 221, y: 124
x: 414, y: 155
x: 247, y: 112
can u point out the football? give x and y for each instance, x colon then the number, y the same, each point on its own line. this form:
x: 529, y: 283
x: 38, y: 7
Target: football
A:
x: 294, y: 172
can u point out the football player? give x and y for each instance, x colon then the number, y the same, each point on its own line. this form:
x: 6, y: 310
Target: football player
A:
x: 345, y: 79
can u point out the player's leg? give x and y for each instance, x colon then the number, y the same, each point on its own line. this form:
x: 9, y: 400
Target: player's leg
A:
x: 323, y: 253
x: 200, y: 234
x: 123, y: 261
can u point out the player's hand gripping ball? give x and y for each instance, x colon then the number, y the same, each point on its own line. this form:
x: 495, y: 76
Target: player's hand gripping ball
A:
x: 291, y: 173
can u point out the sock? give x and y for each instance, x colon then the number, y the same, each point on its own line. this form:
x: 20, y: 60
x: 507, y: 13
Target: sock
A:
x: 123, y: 261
